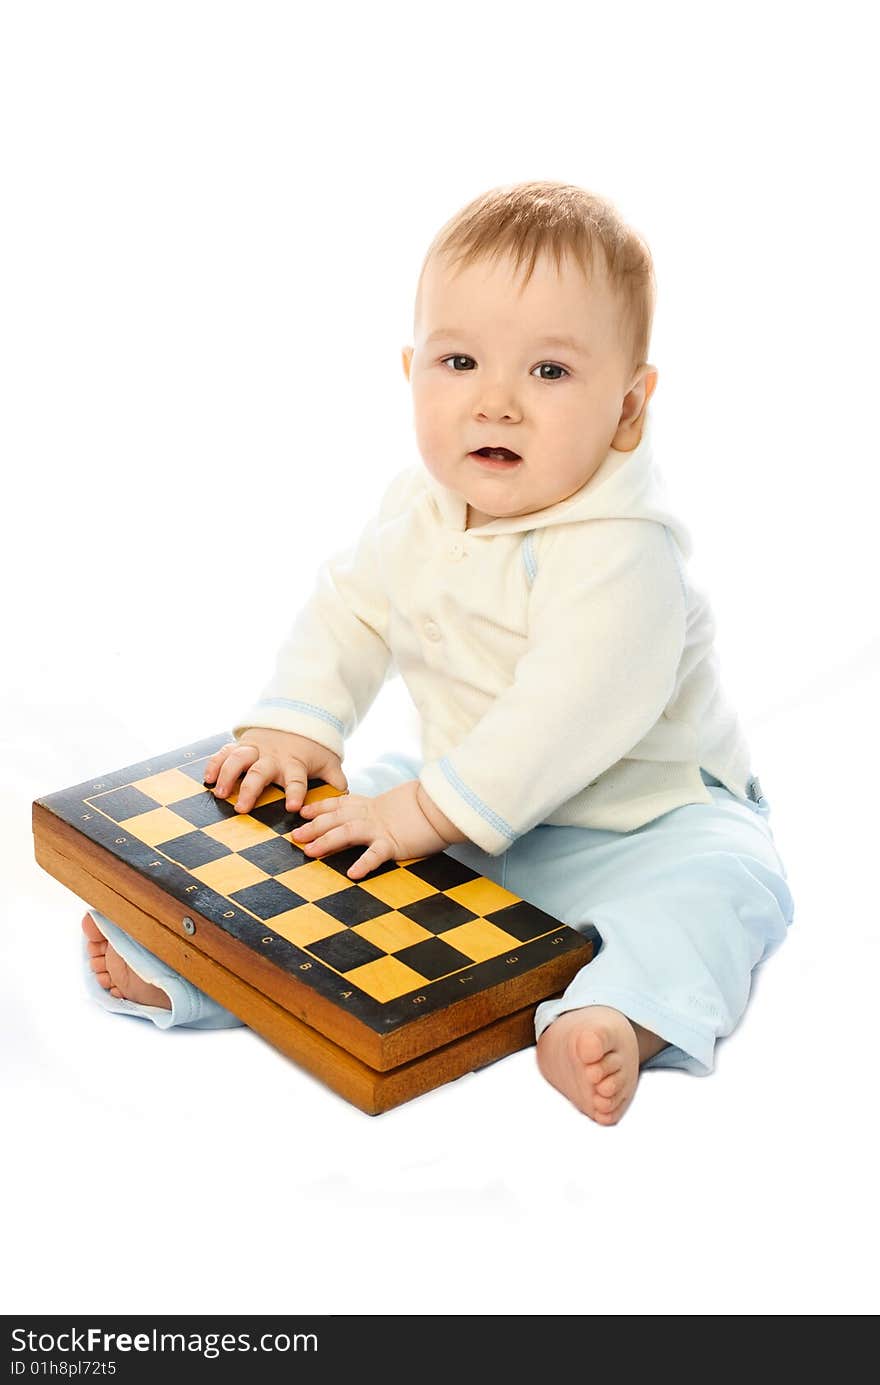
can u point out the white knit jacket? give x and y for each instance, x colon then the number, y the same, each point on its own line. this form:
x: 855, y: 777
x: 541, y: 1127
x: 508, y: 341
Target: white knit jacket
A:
x: 562, y: 662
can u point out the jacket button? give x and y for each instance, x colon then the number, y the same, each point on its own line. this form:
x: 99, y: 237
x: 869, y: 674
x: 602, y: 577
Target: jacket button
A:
x: 432, y: 630
x: 456, y: 549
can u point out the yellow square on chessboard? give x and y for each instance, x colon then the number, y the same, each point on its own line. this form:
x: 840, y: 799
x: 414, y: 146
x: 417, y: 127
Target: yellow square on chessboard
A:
x: 385, y: 978
x: 158, y: 825
x: 240, y: 832
x: 169, y: 787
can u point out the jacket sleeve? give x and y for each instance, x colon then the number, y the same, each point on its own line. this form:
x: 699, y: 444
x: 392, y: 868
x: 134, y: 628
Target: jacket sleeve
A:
x: 336, y: 656
x: 607, y: 615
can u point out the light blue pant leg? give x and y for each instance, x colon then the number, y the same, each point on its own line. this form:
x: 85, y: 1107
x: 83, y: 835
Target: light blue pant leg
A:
x: 687, y: 907
x: 191, y: 1008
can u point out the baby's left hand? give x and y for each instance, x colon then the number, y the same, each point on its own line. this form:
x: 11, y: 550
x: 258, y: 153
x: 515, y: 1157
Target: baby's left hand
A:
x: 392, y: 822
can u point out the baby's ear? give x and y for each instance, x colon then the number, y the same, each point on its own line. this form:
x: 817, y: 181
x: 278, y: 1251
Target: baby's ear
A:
x: 406, y: 353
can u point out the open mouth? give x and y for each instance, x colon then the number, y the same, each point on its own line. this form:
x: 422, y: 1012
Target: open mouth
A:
x: 497, y: 456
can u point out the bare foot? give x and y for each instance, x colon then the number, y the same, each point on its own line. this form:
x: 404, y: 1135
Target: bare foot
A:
x: 592, y: 1056
x: 115, y: 975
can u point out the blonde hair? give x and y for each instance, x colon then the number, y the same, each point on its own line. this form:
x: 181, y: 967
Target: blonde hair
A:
x: 528, y: 219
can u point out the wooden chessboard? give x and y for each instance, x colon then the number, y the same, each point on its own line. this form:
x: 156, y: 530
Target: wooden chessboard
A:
x: 384, y: 987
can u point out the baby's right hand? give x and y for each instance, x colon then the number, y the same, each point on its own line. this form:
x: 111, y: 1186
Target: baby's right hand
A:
x: 272, y: 757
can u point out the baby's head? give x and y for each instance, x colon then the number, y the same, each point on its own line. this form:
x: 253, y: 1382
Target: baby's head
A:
x: 552, y: 367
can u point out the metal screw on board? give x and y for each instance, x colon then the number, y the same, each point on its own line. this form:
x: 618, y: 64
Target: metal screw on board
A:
x: 189, y: 926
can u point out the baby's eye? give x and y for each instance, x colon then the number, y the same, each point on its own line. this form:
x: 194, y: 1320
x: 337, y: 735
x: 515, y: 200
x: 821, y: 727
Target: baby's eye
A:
x: 548, y: 365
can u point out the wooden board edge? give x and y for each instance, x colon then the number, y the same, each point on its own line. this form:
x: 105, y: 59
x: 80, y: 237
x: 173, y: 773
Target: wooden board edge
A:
x: 372, y: 1092
x: 378, y: 1051
x: 71, y: 850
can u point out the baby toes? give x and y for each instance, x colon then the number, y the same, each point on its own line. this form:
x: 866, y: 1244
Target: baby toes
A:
x: 610, y: 1086
x: 92, y: 931
x: 609, y: 1067
x: 611, y: 1118
x: 609, y: 1107
x: 590, y: 1047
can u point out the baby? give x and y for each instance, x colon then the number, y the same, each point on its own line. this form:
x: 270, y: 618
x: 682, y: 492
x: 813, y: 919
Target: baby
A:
x: 529, y: 584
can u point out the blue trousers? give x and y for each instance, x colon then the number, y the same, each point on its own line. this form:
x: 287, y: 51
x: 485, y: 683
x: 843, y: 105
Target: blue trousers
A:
x: 687, y: 906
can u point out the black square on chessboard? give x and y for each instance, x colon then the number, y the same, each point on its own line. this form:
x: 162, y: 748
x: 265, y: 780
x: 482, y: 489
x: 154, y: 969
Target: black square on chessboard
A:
x: 345, y: 950
x: 437, y: 913
x: 352, y: 906
x: 120, y: 804
x: 195, y: 769
x: 275, y: 856
x: 276, y: 816
x: 523, y: 921
x: 442, y: 871
x: 433, y: 958
x: 267, y: 898
x: 203, y: 809
x: 193, y: 849
x: 342, y: 861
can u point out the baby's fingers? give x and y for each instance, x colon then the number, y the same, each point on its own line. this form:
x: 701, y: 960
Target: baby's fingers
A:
x: 296, y: 786
x: 253, y: 784
x: 318, y: 822
x: 342, y: 806
x: 333, y: 831
x: 380, y: 851
x: 213, y: 766
x: 236, y: 762
x: 320, y: 805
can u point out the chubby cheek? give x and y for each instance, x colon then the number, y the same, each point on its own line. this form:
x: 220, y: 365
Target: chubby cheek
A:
x: 435, y: 428
x: 566, y: 425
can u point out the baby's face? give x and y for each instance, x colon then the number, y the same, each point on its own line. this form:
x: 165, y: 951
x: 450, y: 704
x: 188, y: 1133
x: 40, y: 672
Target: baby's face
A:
x: 485, y: 373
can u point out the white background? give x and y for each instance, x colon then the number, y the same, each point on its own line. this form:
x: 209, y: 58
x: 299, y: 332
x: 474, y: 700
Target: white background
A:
x: 214, y: 217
